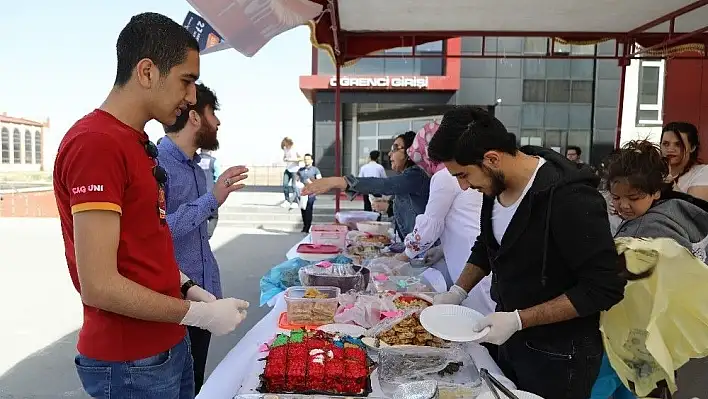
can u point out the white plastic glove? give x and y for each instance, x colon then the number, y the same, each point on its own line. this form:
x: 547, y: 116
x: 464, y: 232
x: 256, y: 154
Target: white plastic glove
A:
x: 453, y: 297
x: 503, y: 326
x: 433, y: 256
x: 199, y: 294
x: 219, y: 317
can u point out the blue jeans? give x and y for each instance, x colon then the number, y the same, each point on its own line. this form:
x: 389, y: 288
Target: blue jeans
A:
x: 288, y: 189
x: 167, y: 375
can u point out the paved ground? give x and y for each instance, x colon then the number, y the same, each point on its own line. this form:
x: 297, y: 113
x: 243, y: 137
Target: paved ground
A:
x: 41, y: 311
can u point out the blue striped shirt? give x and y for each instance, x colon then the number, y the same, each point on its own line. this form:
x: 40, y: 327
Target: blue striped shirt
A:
x: 189, y: 205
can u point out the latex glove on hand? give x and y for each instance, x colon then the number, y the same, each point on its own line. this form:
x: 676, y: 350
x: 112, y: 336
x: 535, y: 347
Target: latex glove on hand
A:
x: 219, y: 317
x: 503, y: 325
x: 453, y: 297
x: 433, y: 256
x: 199, y: 294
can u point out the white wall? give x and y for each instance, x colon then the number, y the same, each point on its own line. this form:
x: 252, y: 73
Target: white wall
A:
x: 630, y: 130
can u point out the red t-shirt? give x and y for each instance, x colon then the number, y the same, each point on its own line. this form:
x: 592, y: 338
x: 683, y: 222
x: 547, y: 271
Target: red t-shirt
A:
x: 102, y: 164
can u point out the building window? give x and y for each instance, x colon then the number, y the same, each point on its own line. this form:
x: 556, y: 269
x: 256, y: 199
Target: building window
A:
x: 651, y: 93
x: 581, y: 92
x: 28, y: 146
x: 534, y: 91
x: 5, y: 154
x: 558, y: 91
x: 38, y: 147
x: 402, y: 62
x: 16, y: 146
x: 535, y: 45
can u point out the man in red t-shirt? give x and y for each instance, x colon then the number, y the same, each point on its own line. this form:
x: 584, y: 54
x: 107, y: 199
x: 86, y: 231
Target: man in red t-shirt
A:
x: 110, y: 194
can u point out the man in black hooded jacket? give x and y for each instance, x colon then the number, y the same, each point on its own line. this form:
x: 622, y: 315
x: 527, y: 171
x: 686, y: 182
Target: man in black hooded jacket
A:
x: 545, y: 237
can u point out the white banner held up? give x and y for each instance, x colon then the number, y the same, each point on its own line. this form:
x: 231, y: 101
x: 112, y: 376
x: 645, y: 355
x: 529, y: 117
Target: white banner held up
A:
x: 247, y: 25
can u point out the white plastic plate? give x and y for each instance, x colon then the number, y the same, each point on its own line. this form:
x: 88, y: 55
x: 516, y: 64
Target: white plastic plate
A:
x: 453, y: 323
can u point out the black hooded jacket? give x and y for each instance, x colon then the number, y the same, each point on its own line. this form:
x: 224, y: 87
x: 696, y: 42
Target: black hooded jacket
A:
x: 558, y: 242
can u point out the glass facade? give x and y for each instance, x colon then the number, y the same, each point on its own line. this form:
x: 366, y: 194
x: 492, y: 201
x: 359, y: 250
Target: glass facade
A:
x: 402, y: 64
x: 380, y: 135
x: 548, y: 102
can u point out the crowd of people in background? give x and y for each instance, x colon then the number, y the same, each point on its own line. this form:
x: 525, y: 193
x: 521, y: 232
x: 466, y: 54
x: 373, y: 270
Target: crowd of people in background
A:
x: 541, y: 281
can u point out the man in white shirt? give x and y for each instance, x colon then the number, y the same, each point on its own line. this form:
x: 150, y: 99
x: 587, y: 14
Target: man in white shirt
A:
x: 372, y: 169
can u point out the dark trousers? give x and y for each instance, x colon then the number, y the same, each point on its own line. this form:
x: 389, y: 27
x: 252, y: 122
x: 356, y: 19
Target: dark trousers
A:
x: 367, y: 203
x: 200, y: 348
x: 307, y: 214
x: 554, y: 367
x: 288, y: 189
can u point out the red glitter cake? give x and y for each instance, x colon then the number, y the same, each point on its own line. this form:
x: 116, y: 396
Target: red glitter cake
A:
x: 316, y: 362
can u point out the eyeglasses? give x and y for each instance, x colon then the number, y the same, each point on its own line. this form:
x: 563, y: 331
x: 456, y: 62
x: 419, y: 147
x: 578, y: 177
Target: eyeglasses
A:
x: 160, y: 175
x: 395, y: 148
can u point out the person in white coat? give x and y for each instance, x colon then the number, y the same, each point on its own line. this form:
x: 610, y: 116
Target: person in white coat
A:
x: 452, y: 217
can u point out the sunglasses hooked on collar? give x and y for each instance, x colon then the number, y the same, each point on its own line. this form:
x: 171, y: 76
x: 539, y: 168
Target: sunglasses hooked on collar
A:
x: 160, y: 175
x: 158, y: 172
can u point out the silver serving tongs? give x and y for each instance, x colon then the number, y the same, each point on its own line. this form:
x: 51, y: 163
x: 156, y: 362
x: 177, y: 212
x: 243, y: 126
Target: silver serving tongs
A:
x: 493, y: 384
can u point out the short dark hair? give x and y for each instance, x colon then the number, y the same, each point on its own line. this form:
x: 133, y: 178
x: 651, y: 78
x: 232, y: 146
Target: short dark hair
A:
x: 154, y: 36
x: 374, y: 155
x: 466, y: 133
x: 575, y: 148
x: 205, y: 98
x: 307, y: 155
x: 641, y: 164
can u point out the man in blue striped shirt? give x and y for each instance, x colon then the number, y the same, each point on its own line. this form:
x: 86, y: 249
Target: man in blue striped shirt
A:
x: 190, y: 203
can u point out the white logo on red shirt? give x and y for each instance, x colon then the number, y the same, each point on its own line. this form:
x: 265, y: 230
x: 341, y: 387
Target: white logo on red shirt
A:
x: 89, y: 188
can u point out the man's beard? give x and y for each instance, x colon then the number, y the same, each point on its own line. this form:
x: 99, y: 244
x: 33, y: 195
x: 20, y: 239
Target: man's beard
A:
x: 497, y: 179
x: 206, y: 137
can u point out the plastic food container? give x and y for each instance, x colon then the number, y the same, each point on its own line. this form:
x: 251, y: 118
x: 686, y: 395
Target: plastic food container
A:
x: 351, y: 218
x: 375, y: 228
x: 311, y: 311
x: 317, y: 252
x: 329, y: 234
x: 345, y: 277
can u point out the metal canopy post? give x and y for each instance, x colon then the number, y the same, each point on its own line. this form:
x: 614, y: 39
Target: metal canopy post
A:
x: 623, y: 63
x: 337, y: 35
x: 337, y: 133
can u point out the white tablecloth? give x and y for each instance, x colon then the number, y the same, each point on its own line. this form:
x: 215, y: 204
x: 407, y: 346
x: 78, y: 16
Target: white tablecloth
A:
x: 238, y: 371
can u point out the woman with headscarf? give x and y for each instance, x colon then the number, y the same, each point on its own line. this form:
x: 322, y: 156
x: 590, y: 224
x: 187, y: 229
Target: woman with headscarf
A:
x: 410, y: 188
x: 451, y: 216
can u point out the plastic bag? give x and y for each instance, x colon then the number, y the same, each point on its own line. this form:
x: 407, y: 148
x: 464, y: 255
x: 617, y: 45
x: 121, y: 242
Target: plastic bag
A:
x: 387, y: 265
x: 364, y: 310
x: 415, y: 283
x: 402, y: 364
x: 388, y: 323
x: 353, y: 217
x: 661, y: 323
x: 286, y: 275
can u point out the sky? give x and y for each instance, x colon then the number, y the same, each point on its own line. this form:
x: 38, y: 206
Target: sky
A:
x: 58, y: 61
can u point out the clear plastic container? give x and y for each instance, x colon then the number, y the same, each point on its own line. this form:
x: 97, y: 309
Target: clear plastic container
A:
x: 311, y: 311
x: 329, y: 234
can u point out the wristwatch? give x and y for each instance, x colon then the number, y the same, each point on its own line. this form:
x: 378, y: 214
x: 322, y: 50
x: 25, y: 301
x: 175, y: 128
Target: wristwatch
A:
x: 186, y: 286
